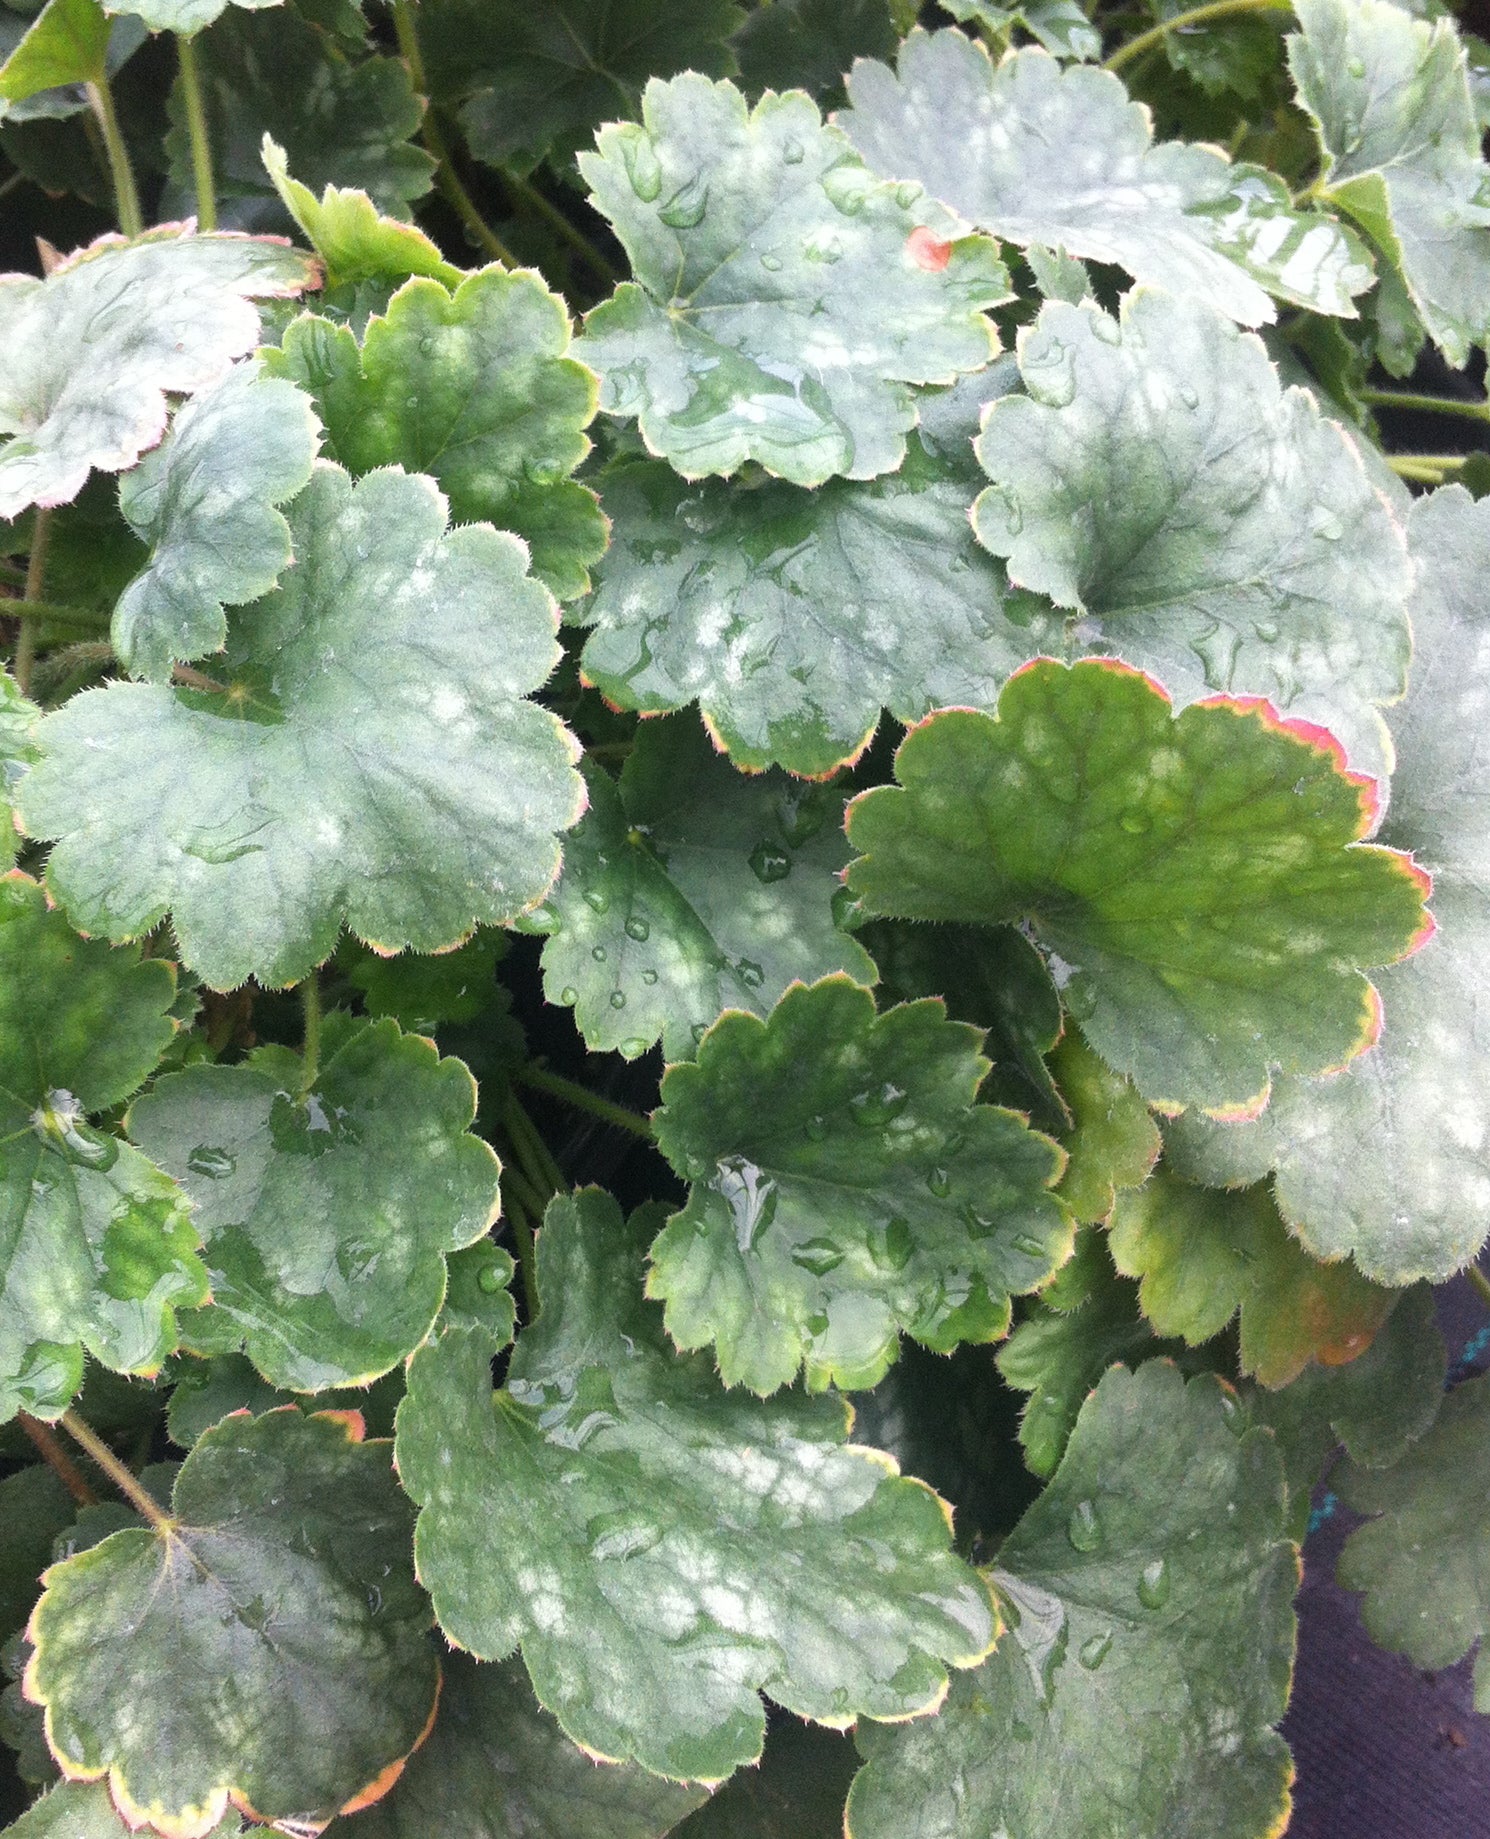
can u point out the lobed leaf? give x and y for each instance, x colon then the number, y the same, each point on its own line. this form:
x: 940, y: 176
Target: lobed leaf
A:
x: 1150, y: 1642
x: 1113, y: 1143
x: 1389, y: 95
x: 1203, y: 1257
x: 741, y: 226
x: 796, y: 1791
x: 810, y: 44
x: 96, y: 1246
x: 185, y: 17
x: 369, y: 756
x: 1388, y: 1164
x: 846, y: 1188
x: 475, y: 388
x: 663, y: 1551
x: 204, y: 500
x: 1197, y: 518
x: 1036, y: 153
x: 1060, y: 25
x: 265, y: 1647
x: 326, y: 1208
x: 690, y: 889
x: 92, y: 350
x: 84, y: 1810
x: 1196, y: 881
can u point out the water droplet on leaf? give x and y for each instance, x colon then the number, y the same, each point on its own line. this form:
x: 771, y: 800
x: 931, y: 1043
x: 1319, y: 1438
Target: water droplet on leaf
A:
x: 1084, y: 1528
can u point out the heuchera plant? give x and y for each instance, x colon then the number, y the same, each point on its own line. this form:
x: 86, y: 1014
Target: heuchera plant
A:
x: 741, y: 977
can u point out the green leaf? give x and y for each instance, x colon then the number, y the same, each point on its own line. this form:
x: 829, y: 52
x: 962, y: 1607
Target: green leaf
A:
x: 1424, y: 1564
x: 96, y: 1246
x: 1150, y: 1641
x: 1401, y: 146
x: 792, y: 617
x: 845, y: 1188
x: 742, y: 226
x: 1196, y: 881
x: 1083, y: 1322
x: 538, y: 80
x: 1377, y: 1405
x: 810, y: 44
x: 661, y: 1550
x: 206, y: 1391
x: 1389, y: 1163
x: 1060, y: 25
x: 1240, y: 53
x: 266, y: 1646
x: 371, y: 758
x: 67, y: 42
x: 498, y: 1767
x: 184, y: 17
x: 476, y: 389
x: 34, y: 1508
x: 325, y: 1209
x: 204, y: 500
x: 18, y: 718
x: 1113, y: 1142
x: 1036, y: 153
x: 423, y: 993
x: 691, y: 889
x: 343, y: 118
x: 91, y: 352
x: 1197, y: 518
x: 83, y: 1810
x: 1204, y: 1256
x: 796, y: 1791
x: 344, y: 227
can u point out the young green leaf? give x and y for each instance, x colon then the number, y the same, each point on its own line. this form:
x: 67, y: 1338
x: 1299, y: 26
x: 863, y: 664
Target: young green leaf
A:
x: 537, y: 81
x: 792, y: 617
x: 1390, y: 97
x: 96, y: 1246
x: 344, y: 118
x: 369, y: 757
x: 67, y: 42
x: 344, y: 227
x: 205, y: 499
x: 91, y: 352
x: 1197, y: 518
x: 1389, y: 1163
x: 810, y: 44
x: 265, y: 1645
x: 1035, y: 153
x: 496, y: 1766
x: 1148, y: 1596
x: 783, y: 299
x: 476, y: 389
x: 325, y: 1210
x: 690, y: 889
x: 1113, y: 1143
x: 1197, y: 881
x: 1424, y: 1564
x: 84, y: 1810
x: 1205, y: 1256
x: 1060, y: 25
x: 663, y: 1551
x: 422, y: 993
x: 846, y: 1188
x: 18, y: 719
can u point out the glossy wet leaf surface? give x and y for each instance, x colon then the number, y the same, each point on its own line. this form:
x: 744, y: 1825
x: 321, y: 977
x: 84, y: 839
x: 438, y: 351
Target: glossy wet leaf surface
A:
x: 161, y: 1656
x: 1035, y: 153
x: 91, y: 351
x: 689, y: 889
x: 475, y: 388
x: 1389, y: 1163
x: 97, y: 1248
x: 1197, y: 519
x: 845, y: 1189
x: 1195, y: 882
x: 326, y: 1212
x: 1150, y: 1637
x: 370, y: 759
x: 664, y: 1551
x: 706, y: 348
x: 205, y: 500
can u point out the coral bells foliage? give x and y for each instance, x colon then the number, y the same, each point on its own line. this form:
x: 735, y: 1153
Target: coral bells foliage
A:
x: 746, y: 868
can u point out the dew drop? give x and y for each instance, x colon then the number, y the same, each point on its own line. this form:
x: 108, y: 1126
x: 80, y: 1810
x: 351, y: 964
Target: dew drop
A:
x: 792, y: 151
x: 1153, y: 1586
x: 642, y: 168
x: 1234, y: 1412
x: 818, y: 1256
x: 687, y: 207
x: 621, y: 1535
x: 771, y: 263
x: 568, y: 996
x: 769, y: 862
x: 598, y: 953
x: 1326, y: 525
x: 874, y: 1109
x: 633, y: 1049
x: 638, y: 929
x: 939, y: 1182
x: 1134, y: 822
x: 427, y: 346
x: 1357, y: 67
x: 1189, y: 396
x: 598, y: 899
x: 1084, y: 1528
x: 846, y: 909
x: 892, y: 1244
x: 618, y: 999
x: 1093, y: 1651
x: 215, y: 1164
x: 649, y: 977
x: 1032, y: 1247
x: 489, y: 1280
x: 750, y: 973
x: 817, y: 1324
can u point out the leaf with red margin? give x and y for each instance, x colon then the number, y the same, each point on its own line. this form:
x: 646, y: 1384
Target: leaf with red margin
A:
x: 1204, y: 1256
x: 264, y: 1647
x: 1197, y: 881
x: 92, y: 351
